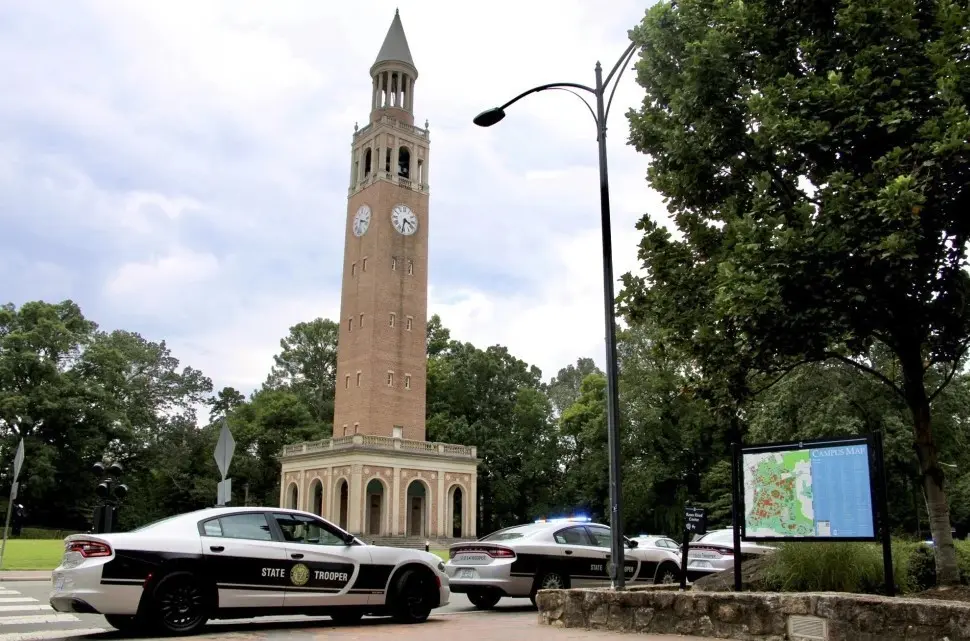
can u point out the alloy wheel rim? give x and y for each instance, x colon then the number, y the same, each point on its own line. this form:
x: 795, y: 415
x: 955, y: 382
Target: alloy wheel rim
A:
x: 181, y: 605
x: 552, y: 582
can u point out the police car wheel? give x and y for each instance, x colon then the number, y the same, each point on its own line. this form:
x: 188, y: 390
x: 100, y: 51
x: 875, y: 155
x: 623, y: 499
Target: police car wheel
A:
x: 484, y: 599
x: 667, y: 573
x: 123, y: 622
x: 180, y: 603
x: 412, y: 596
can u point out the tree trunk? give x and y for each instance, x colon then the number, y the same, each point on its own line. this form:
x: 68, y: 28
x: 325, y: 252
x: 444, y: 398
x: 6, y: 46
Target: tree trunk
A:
x: 937, y: 507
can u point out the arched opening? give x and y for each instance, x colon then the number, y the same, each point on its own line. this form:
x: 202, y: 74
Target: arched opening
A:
x: 417, y: 501
x: 367, y: 161
x: 404, y: 162
x: 293, y: 497
x: 316, y: 497
x: 456, y: 510
x: 374, y: 512
x: 343, y: 492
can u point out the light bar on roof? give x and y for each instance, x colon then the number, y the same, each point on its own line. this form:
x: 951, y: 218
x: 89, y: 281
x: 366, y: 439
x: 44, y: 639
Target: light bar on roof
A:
x: 566, y: 519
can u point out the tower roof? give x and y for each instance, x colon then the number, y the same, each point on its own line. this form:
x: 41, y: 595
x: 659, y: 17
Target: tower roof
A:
x: 395, y: 47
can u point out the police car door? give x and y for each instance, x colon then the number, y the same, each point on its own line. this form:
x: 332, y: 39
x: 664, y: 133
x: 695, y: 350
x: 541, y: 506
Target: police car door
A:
x: 601, y: 537
x: 583, y: 561
x: 246, y: 561
x: 322, y: 566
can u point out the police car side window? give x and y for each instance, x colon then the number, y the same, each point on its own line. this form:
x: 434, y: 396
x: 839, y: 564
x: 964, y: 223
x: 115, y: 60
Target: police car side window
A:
x: 601, y: 537
x: 572, y: 536
x: 251, y: 526
x: 300, y: 529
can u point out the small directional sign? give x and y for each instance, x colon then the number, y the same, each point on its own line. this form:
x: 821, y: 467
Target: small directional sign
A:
x: 18, y: 460
x: 224, y: 449
x: 695, y: 520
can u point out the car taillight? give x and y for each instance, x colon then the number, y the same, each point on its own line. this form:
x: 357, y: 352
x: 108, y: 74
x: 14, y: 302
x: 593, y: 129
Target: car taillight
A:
x: 89, y: 549
x: 492, y: 551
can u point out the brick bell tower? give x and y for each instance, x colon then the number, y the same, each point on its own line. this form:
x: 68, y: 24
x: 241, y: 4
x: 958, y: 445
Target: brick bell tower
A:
x: 382, y: 354
x: 377, y: 476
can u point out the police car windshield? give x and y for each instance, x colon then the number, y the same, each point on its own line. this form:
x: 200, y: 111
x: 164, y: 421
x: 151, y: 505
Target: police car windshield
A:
x: 510, y: 533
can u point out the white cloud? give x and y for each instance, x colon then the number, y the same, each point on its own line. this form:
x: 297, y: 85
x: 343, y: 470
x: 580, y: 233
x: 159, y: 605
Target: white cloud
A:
x: 188, y: 162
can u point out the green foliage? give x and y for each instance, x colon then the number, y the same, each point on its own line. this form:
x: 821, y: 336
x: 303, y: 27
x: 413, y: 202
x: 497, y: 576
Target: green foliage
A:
x: 837, y: 567
x: 814, y: 158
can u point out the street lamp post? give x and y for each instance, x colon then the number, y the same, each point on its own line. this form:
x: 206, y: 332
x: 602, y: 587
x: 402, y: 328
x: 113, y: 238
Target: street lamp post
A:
x: 493, y: 116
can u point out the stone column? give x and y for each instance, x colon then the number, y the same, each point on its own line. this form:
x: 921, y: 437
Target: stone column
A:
x: 396, y: 502
x: 355, y: 500
x: 441, y: 506
x: 473, y: 508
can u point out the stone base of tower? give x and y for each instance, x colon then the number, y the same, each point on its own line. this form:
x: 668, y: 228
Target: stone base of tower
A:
x: 380, y: 487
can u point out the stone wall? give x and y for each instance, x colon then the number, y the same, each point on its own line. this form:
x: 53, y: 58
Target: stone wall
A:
x: 751, y: 616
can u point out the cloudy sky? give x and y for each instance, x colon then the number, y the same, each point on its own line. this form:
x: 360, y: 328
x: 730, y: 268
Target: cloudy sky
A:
x: 180, y: 168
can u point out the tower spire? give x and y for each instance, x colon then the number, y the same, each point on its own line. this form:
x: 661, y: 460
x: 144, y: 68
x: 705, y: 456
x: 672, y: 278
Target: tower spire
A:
x: 395, y: 47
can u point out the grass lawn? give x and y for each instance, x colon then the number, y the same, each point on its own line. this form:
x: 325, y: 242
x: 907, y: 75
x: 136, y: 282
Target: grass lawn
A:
x: 45, y: 554
x: 33, y: 554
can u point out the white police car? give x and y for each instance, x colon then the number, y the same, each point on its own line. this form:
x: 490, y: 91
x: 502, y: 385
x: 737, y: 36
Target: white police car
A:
x: 176, y: 574
x: 555, y: 554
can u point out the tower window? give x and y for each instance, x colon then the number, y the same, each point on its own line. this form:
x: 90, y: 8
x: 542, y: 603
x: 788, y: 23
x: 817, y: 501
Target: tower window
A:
x: 407, y: 381
x: 393, y: 264
x: 398, y: 431
x: 345, y: 430
x: 356, y: 427
x: 350, y: 324
x: 363, y: 264
x: 387, y: 161
x: 390, y: 379
x: 358, y: 379
x: 360, y: 321
x: 346, y: 384
x: 420, y: 171
x: 410, y: 267
x: 404, y: 162
x: 353, y: 269
x: 393, y: 318
x: 367, y: 159
x: 410, y: 321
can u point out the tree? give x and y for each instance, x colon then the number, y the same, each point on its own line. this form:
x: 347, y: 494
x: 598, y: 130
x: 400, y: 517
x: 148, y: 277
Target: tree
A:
x: 307, y: 365
x: 228, y: 399
x: 815, y: 158
x: 563, y: 389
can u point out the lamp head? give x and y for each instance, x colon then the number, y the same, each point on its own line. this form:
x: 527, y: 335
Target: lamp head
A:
x: 98, y: 468
x: 102, y: 490
x: 489, y: 117
x: 115, y: 469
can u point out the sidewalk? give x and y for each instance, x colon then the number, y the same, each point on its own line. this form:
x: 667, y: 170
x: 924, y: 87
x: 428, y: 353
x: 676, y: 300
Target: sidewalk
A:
x: 25, y: 575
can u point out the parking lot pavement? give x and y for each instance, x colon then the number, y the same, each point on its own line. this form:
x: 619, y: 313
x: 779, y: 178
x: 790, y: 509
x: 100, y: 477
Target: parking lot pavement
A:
x: 25, y: 615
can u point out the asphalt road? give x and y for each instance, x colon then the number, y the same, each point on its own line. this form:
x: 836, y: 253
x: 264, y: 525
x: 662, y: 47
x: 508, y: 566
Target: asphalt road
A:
x: 26, y: 615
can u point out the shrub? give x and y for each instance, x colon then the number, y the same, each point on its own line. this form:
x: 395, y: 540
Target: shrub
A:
x: 836, y: 567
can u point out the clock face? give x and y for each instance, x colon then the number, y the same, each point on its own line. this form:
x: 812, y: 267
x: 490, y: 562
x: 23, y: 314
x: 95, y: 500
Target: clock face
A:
x: 361, y: 221
x: 404, y: 220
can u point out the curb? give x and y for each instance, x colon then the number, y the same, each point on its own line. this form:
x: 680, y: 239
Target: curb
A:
x: 7, y: 576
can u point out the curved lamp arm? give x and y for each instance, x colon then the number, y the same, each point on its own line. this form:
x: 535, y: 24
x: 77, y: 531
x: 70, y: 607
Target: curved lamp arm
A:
x: 621, y: 66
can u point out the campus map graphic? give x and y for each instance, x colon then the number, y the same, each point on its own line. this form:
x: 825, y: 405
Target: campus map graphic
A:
x: 816, y: 492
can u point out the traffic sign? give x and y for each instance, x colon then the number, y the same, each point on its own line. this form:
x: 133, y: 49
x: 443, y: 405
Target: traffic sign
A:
x: 224, y: 449
x: 18, y: 460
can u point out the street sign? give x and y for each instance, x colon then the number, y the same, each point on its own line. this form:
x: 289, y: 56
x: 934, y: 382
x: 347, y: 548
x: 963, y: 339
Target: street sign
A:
x: 224, y: 449
x: 224, y: 492
x: 18, y: 460
x: 695, y: 520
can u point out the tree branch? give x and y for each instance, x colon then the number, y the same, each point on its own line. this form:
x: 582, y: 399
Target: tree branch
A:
x: 868, y: 370
x: 952, y: 372
x: 784, y: 372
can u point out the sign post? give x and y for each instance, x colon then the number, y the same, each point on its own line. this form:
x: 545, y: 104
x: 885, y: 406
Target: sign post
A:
x: 225, y: 448
x: 18, y: 462
x: 695, y: 522
x: 830, y: 489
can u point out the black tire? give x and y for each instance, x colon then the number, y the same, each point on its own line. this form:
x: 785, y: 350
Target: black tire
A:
x: 124, y: 622
x: 549, y: 580
x: 484, y: 599
x: 346, y: 617
x: 413, y: 596
x: 667, y: 573
x: 180, y: 603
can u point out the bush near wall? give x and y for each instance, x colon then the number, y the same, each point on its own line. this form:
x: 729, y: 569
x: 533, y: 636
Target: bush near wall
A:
x: 855, y: 567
